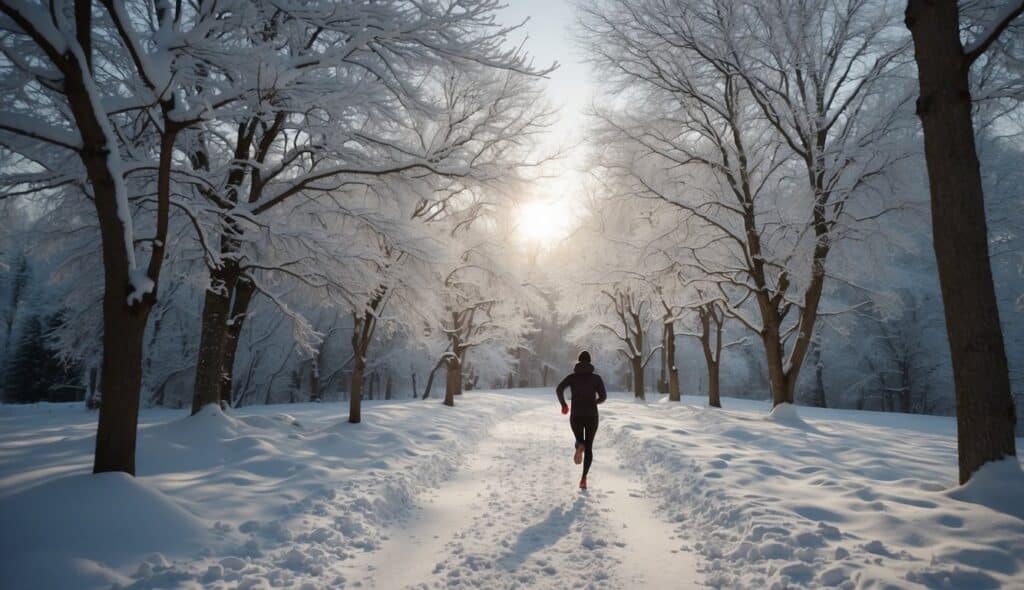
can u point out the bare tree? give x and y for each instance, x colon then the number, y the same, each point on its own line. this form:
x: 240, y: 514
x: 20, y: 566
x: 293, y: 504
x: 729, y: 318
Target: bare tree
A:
x: 720, y: 101
x: 670, y: 289
x: 986, y: 416
x: 367, y: 313
x: 364, y: 325
x: 483, y: 306
x: 668, y: 343
x: 631, y: 312
x: 712, y: 319
x: 817, y: 398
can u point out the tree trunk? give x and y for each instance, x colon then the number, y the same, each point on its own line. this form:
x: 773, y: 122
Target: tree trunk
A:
x: 808, y: 317
x: 789, y: 386
x: 712, y: 321
x: 124, y: 328
x: 781, y: 394
x: 781, y: 382
x: 663, y: 369
x: 637, y: 364
x: 984, y: 405
x: 355, y: 396
x: 91, y: 401
x: 904, y: 368
x: 524, y: 366
x: 213, y: 334
x: 670, y: 360
x: 430, y: 378
x: 711, y: 328
x: 245, y: 289
x: 453, y: 383
x: 461, y: 375
x: 124, y: 325
x: 714, y: 398
x: 363, y: 326
x: 817, y: 397
x: 314, y: 379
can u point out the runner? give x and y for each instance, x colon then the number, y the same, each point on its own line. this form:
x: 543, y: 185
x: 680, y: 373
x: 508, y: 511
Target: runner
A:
x: 587, y: 392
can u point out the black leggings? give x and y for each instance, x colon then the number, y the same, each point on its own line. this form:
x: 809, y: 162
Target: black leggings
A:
x: 585, y: 427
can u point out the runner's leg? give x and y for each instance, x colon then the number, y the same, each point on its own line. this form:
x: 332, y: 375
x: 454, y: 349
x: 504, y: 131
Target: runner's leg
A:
x: 588, y: 456
x: 578, y: 426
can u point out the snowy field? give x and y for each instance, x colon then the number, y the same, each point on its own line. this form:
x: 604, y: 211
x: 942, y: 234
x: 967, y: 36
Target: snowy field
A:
x: 483, y: 496
x: 832, y: 498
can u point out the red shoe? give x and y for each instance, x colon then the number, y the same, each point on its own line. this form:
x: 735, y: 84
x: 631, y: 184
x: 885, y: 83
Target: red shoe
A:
x: 578, y: 457
x: 583, y: 483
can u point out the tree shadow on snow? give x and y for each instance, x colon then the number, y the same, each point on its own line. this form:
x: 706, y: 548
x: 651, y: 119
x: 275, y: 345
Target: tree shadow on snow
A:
x: 542, y: 535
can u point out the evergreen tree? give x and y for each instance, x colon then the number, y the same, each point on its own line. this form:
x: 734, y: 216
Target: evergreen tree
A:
x: 35, y: 372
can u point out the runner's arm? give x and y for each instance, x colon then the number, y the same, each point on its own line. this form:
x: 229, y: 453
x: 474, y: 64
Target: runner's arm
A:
x: 559, y: 391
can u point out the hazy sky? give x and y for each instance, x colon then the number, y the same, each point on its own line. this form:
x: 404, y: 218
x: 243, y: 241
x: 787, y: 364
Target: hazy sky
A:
x: 548, y: 37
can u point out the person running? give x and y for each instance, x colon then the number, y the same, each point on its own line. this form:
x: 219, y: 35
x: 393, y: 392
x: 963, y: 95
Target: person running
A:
x: 587, y: 392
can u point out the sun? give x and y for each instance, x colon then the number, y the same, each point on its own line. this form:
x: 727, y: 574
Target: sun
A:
x: 543, y: 221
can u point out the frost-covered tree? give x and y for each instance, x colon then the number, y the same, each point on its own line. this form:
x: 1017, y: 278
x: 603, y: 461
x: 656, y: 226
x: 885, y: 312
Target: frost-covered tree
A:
x: 483, y: 307
x: 435, y: 96
x: 95, y: 97
x: 770, y: 138
x: 234, y: 135
x: 610, y: 291
x: 671, y: 308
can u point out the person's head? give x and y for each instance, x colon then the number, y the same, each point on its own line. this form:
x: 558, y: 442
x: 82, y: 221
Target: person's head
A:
x: 584, y: 357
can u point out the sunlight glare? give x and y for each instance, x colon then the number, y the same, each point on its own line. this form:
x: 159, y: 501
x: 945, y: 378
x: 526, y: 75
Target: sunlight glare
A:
x: 543, y: 221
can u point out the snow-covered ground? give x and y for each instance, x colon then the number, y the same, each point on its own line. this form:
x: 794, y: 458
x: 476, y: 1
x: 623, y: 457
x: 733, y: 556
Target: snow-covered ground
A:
x: 513, y: 518
x: 826, y: 498
x: 271, y: 496
x: 483, y: 496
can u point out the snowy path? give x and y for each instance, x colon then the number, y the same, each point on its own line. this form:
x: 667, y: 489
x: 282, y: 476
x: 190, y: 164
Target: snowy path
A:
x: 512, y: 518
x: 483, y: 496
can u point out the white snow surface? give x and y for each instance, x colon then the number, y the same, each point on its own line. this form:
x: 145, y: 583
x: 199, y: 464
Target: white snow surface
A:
x: 812, y: 498
x: 484, y: 495
x: 513, y: 518
x: 271, y: 496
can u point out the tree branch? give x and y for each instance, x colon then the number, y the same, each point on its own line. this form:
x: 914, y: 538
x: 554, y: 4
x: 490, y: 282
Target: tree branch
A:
x: 1012, y: 10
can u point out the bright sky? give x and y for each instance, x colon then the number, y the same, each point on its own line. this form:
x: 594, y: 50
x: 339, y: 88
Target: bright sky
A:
x: 549, y: 212
x: 549, y: 39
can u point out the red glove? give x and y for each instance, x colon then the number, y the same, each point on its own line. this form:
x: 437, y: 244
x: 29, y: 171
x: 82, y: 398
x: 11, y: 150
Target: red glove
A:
x: 565, y: 409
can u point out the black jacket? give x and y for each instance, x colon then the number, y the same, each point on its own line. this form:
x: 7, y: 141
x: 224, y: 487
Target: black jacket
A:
x: 587, y: 390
